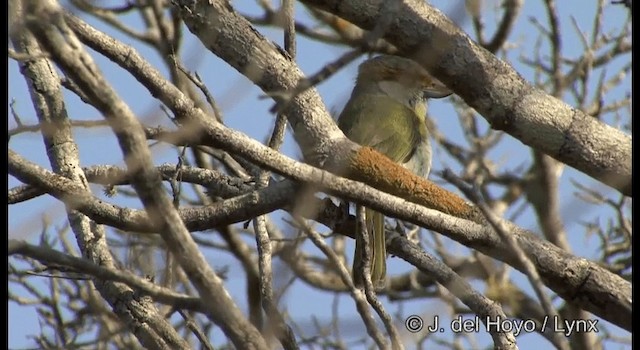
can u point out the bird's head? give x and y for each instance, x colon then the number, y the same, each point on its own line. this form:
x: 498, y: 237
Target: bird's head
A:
x: 398, y: 75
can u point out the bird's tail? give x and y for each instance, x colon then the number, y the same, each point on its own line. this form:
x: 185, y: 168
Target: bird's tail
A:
x: 375, y: 230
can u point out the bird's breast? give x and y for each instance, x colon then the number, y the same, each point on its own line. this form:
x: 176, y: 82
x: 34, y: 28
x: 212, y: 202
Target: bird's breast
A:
x: 420, y: 161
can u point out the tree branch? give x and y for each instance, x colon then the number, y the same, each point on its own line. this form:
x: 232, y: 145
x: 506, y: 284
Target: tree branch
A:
x: 48, y: 25
x: 497, y: 91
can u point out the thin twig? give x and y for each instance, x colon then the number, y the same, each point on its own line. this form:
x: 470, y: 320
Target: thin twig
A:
x: 369, y: 289
x: 193, y: 326
x: 197, y: 81
x: 529, y: 269
x: 53, y: 257
x: 283, y: 332
x: 358, y: 296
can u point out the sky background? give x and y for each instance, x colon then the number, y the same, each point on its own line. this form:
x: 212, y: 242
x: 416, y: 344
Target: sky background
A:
x: 244, y: 109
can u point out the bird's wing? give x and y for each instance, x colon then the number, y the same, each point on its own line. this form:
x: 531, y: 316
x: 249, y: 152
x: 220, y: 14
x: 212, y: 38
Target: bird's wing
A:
x: 371, y: 124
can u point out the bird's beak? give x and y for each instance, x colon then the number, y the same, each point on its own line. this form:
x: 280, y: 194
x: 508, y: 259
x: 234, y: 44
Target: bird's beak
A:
x: 436, y: 90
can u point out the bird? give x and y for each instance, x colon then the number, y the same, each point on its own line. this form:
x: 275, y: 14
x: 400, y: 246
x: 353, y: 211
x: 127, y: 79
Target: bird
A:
x: 386, y: 111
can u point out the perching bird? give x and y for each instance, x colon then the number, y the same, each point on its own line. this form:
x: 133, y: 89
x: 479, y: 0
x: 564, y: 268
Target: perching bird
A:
x: 386, y: 111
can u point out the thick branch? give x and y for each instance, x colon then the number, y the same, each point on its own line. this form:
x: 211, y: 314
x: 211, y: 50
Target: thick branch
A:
x: 578, y: 281
x: 140, y: 315
x: 48, y: 26
x: 497, y: 91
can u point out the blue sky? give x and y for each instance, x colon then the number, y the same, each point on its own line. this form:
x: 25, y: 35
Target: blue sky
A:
x: 244, y: 110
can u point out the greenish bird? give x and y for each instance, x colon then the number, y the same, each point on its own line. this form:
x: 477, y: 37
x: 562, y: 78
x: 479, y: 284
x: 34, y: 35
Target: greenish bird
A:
x: 386, y: 111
